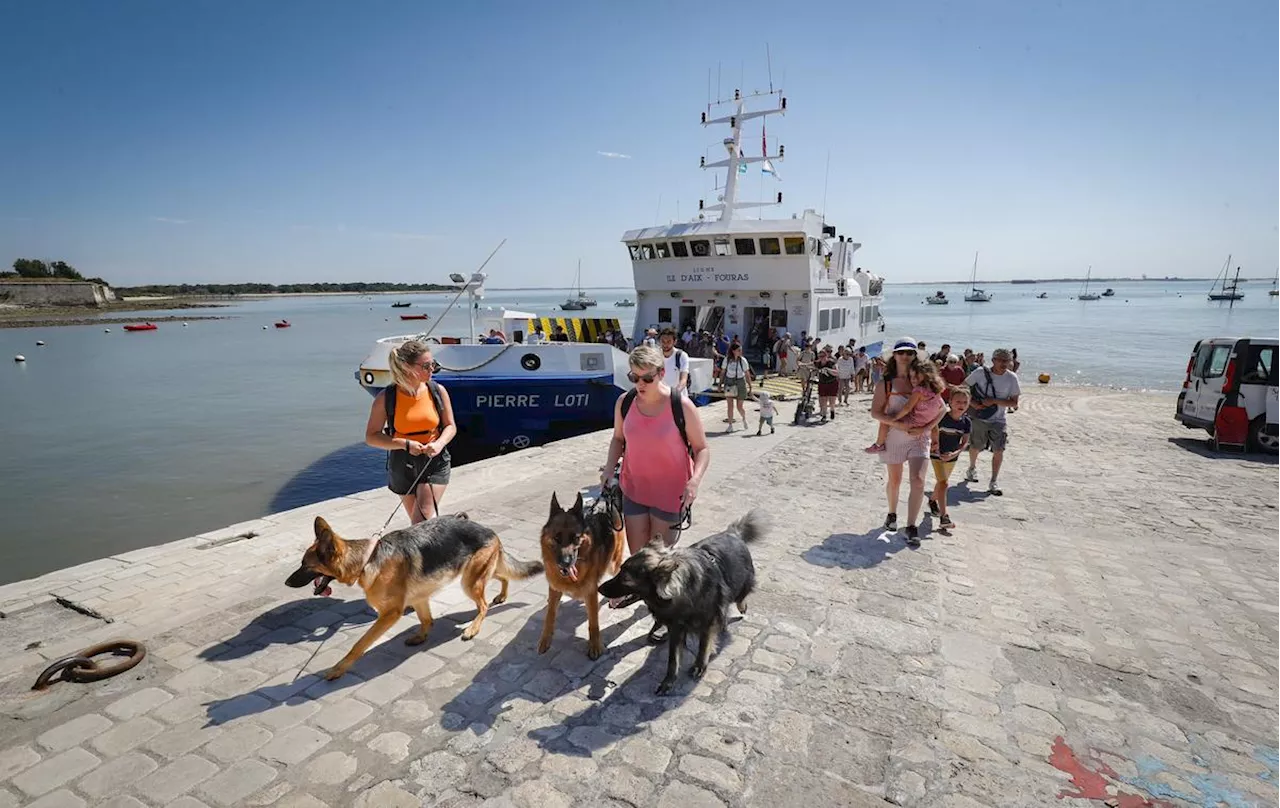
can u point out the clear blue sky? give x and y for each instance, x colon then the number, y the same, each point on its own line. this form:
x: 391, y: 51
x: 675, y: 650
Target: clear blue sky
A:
x: 323, y: 141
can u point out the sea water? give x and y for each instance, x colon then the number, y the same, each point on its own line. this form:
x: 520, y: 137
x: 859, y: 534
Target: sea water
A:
x: 114, y: 441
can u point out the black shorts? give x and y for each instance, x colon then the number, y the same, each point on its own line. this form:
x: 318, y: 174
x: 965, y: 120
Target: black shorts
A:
x: 403, y: 469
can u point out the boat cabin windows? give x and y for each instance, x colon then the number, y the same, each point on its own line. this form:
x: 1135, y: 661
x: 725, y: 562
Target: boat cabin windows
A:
x: 646, y: 252
x: 635, y: 251
x: 778, y: 318
x: 722, y: 246
x: 662, y: 250
x: 770, y: 246
x: 815, y: 246
x: 794, y: 244
x: 664, y: 316
x: 824, y: 320
x: 679, y: 249
x: 701, y: 248
x: 744, y: 246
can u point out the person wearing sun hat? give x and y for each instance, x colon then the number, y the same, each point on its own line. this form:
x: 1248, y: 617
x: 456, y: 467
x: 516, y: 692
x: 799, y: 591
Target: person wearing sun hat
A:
x: 904, y: 445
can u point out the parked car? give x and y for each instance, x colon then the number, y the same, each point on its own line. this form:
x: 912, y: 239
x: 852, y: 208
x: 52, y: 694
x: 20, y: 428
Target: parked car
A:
x: 1231, y: 391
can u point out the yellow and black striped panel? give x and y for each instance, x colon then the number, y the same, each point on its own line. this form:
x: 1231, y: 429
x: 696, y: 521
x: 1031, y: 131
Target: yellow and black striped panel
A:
x: 579, y: 329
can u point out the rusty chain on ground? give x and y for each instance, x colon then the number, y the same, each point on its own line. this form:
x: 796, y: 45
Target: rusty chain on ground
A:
x: 81, y: 667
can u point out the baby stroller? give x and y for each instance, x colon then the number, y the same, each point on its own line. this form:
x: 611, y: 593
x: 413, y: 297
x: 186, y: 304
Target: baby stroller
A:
x: 805, y: 406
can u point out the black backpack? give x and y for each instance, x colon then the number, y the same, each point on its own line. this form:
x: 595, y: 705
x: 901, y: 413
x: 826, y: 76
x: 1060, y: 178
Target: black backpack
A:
x: 389, y: 398
x: 677, y: 413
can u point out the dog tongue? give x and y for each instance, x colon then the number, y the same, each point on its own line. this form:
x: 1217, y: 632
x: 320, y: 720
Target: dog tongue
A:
x: 573, y: 572
x: 327, y: 591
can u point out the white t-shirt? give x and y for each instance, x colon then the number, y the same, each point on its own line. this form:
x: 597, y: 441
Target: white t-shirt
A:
x: 845, y: 366
x: 675, y: 364
x: 735, y: 370
x: 861, y: 361
x: 1005, y: 385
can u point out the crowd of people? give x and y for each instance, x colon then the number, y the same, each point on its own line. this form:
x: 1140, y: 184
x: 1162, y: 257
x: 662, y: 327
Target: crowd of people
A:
x: 932, y: 409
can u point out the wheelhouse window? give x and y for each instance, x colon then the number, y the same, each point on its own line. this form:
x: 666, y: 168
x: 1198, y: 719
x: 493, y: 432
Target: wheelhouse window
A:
x: 815, y: 246
x: 664, y: 316
x: 770, y: 246
x: 722, y: 246
x: 794, y: 244
x: 662, y: 250
x: 744, y: 246
x: 701, y: 248
x: 635, y: 251
x: 824, y: 320
x: 646, y: 252
x: 679, y: 249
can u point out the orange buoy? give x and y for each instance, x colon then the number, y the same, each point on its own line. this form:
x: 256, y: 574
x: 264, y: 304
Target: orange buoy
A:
x: 1044, y: 378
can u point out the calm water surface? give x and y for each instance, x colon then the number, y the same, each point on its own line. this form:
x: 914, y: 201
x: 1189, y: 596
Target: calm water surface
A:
x: 114, y: 441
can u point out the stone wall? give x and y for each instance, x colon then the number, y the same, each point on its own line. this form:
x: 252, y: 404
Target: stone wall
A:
x: 55, y: 293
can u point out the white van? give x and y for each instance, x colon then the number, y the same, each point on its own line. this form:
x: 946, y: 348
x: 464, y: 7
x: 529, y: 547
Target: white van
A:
x: 1233, y: 379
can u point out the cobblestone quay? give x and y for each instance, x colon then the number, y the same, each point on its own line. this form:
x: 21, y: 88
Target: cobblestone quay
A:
x: 1103, y: 634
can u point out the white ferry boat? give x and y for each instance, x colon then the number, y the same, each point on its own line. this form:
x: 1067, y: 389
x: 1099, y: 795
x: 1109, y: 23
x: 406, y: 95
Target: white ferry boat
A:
x: 751, y: 278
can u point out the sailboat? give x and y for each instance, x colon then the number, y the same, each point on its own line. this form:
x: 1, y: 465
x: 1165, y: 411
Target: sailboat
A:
x: 1085, y: 294
x: 976, y: 295
x: 1228, y: 291
x: 578, y: 303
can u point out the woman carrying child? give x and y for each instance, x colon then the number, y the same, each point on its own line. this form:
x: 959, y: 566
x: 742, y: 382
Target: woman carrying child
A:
x: 908, y: 433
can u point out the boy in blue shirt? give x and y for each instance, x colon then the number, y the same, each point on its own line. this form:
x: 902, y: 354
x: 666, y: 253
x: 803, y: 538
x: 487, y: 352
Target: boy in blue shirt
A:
x: 950, y: 439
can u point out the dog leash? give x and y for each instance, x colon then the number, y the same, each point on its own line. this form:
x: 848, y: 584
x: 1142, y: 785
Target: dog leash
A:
x: 435, y: 505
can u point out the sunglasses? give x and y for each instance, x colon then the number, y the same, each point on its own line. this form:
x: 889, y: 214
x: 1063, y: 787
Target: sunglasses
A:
x: 648, y: 378
x: 426, y: 366
x: 911, y: 351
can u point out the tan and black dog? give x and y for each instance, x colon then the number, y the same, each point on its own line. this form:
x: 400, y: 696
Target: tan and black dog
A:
x: 578, y: 551
x: 406, y: 568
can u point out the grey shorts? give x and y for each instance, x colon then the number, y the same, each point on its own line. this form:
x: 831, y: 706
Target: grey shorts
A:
x: 991, y: 435
x: 632, y: 508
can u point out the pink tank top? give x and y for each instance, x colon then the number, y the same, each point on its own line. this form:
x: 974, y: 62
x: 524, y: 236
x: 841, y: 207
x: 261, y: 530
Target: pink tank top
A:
x: 656, y: 464
x: 930, y: 406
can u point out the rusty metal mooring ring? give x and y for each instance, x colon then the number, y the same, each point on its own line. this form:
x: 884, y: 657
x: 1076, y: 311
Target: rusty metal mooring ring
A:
x: 80, y: 667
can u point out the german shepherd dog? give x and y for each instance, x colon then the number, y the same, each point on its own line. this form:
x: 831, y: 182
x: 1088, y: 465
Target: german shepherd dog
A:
x: 578, y: 551
x: 406, y: 568
x: 689, y: 589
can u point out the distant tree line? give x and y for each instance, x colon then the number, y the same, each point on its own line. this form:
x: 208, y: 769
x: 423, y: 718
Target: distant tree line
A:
x: 36, y: 269
x: 271, y: 288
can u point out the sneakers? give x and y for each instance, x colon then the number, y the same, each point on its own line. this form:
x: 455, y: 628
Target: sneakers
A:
x: 945, y: 523
x: 994, y: 490
x: 833, y: 415
x: 913, y: 536
x: 933, y: 506
x: 877, y: 448
x: 971, y: 476
x: 771, y: 429
x: 891, y: 522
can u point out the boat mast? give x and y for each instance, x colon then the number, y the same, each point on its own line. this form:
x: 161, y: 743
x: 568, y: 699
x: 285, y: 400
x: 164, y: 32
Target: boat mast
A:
x: 736, y: 162
x: 973, y: 278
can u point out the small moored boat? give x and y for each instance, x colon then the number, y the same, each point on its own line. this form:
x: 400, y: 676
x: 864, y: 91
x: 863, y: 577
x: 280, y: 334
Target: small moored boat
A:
x: 1109, y: 293
x: 141, y: 327
x: 283, y: 324
x: 414, y: 317
x: 401, y: 305
x: 625, y: 303
x: 937, y: 299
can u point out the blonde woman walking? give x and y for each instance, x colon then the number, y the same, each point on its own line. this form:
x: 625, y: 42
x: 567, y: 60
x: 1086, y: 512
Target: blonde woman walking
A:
x: 413, y: 420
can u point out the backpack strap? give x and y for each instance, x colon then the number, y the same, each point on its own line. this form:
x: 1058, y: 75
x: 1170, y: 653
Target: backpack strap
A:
x: 389, y: 399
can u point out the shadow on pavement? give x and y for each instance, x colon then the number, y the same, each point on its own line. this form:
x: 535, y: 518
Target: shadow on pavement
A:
x: 855, y: 551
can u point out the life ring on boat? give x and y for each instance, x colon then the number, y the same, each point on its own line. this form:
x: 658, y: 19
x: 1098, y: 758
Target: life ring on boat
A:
x: 368, y: 379
x: 432, y: 340
x: 1044, y: 378
x: 531, y: 361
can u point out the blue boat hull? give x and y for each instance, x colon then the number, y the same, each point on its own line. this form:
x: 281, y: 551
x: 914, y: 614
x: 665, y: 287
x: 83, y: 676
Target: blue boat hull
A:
x: 514, y: 412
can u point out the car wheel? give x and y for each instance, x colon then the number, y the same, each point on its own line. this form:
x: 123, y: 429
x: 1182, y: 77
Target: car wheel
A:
x: 1259, y: 440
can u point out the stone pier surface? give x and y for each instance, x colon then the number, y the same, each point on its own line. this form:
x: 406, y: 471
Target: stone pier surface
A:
x: 1103, y: 634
